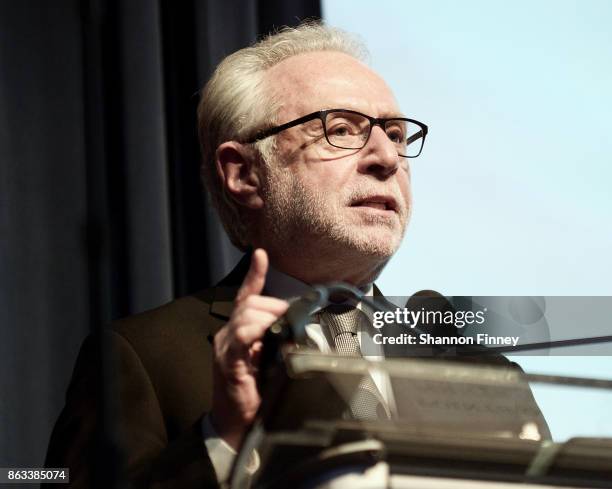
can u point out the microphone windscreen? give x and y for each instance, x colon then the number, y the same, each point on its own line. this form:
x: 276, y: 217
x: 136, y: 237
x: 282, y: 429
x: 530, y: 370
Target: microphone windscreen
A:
x: 435, y: 311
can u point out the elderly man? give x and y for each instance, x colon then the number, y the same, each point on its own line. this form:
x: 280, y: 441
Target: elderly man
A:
x: 305, y: 156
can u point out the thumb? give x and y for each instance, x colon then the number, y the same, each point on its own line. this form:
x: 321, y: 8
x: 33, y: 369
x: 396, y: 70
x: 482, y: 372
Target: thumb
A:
x: 255, y: 278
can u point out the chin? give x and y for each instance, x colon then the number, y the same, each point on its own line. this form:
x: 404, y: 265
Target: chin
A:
x: 376, y: 235
x: 381, y: 243
x: 379, y: 250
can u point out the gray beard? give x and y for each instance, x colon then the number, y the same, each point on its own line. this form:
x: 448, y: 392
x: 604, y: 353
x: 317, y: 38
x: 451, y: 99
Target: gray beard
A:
x: 300, y: 219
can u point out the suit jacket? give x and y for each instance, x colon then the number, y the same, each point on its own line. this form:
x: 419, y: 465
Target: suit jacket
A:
x: 163, y: 377
x: 163, y: 381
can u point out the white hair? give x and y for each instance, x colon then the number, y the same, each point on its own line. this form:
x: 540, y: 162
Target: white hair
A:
x: 235, y: 104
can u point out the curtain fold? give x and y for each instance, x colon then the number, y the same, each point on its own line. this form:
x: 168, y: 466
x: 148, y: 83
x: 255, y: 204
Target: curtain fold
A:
x: 101, y: 209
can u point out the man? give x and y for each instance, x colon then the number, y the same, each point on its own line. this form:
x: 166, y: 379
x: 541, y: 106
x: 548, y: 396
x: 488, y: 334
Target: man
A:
x: 316, y: 212
x: 319, y: 199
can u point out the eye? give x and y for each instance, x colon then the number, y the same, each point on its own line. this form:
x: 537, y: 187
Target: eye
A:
x: 342, y: 124
x: 395, y: 137
x: 340, y: 130
x: 396, y: 132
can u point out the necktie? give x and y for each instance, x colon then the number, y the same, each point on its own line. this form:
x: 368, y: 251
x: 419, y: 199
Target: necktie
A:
x: 344, y: 321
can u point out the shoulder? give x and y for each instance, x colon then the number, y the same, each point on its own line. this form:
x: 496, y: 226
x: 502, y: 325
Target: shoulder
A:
x: 185, y: 316
x: 170, y: 347
x: 173, y: 330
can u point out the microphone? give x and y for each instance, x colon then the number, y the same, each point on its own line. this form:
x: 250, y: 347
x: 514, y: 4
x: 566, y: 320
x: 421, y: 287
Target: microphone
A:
x: 430, y: 301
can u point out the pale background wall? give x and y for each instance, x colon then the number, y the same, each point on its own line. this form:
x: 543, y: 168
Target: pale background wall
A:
x: 512, y: 190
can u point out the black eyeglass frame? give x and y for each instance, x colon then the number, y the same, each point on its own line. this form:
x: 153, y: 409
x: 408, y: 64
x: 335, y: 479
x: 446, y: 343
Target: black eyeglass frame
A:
x: 322, y: 116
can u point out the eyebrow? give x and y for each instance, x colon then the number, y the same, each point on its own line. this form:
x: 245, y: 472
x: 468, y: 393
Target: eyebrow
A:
x: 384, y: 115
x: 391, y: 115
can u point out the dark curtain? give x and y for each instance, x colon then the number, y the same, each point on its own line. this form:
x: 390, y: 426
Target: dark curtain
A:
x: 101, y: 209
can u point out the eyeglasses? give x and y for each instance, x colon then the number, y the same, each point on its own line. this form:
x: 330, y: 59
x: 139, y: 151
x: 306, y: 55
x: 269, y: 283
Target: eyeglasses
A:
x: 349, y: 129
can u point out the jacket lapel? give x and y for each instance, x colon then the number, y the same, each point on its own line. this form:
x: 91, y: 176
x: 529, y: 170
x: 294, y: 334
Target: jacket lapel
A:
x: 225, y: 291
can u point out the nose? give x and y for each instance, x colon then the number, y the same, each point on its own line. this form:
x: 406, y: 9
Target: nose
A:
x: 379, y: 157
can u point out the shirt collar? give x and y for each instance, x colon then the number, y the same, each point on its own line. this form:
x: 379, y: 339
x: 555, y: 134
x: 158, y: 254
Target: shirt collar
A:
x: 286, y: 287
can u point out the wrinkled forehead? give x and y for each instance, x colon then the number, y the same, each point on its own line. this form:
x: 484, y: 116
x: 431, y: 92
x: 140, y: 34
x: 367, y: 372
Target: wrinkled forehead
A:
x: 314, y: 81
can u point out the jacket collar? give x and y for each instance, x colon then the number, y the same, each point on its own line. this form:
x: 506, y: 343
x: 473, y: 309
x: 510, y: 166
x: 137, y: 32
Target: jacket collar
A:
x: 225, y: 291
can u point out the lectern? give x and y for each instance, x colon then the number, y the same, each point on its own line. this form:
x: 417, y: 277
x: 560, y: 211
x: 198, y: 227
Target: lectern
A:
x: 453, y: 424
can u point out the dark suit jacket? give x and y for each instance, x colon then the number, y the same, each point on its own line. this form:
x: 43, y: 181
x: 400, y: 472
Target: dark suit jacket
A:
x: 163, y: 378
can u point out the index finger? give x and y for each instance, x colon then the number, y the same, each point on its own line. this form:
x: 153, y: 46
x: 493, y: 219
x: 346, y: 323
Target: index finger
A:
x: 255, y: 278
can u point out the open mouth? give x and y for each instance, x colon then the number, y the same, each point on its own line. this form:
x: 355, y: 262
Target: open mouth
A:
x: 381, y: 203
x: 375, y: 205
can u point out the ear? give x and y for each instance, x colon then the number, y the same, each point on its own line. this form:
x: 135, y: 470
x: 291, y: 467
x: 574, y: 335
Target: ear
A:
x: 239, y: 174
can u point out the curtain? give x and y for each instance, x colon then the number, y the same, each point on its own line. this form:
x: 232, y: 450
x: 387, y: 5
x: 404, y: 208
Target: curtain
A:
x: 101, y: 210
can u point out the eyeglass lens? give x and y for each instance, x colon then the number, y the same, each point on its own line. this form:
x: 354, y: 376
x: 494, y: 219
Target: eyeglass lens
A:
x: 350, y: 131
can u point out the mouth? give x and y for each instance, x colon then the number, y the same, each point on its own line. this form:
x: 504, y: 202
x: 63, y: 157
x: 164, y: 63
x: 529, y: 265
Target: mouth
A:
x: 377, y: 202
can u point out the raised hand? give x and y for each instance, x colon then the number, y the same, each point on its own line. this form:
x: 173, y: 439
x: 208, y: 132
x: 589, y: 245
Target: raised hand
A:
x: 236, y: 354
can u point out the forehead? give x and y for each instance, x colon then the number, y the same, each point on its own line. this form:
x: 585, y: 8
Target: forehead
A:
x: 325, y: 80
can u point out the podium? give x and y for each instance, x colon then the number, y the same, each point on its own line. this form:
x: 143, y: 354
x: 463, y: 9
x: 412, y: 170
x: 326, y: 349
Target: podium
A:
x: 453, y: 424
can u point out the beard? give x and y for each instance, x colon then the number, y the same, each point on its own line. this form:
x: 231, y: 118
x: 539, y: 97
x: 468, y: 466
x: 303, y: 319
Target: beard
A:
x: 323, y: 223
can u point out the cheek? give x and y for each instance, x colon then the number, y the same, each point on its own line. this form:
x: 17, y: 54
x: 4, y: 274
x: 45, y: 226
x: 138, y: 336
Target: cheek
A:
x: 324, y: 176
x: 405, y: 188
